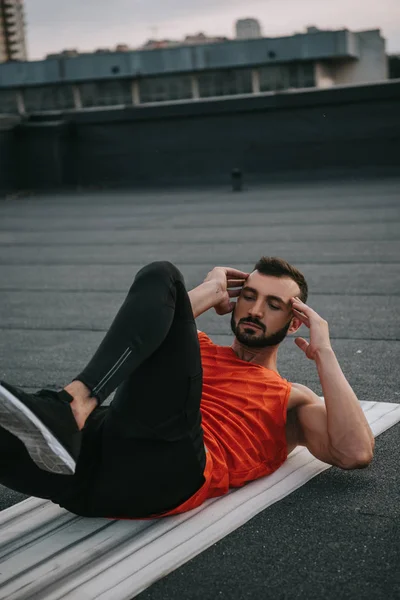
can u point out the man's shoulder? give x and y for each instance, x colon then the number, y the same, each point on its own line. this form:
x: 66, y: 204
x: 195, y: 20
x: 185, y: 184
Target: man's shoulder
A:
x: 202, y: 336
x: 300, y: 394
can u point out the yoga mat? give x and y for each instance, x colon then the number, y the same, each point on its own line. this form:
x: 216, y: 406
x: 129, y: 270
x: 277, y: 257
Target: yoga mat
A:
x: 47, y: 553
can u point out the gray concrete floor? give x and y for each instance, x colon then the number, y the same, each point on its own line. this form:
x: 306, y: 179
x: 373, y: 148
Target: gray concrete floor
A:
x: 66, y: 263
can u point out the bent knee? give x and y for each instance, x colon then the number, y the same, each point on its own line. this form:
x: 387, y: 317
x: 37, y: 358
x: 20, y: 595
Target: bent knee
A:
x: 160, y: 269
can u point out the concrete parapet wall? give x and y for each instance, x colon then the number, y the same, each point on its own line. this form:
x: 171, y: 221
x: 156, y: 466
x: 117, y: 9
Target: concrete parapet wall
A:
x: 200, y: 143
x: 8, y: 150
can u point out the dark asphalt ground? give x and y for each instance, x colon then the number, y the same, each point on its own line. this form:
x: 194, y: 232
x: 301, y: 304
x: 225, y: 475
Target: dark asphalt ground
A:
x: 66, y: 263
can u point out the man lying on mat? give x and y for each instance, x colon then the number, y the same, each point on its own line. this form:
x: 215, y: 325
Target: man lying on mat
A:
x: 189, y: 419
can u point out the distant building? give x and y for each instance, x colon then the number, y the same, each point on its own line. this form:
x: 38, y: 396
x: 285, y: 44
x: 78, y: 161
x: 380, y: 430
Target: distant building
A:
x: 201, y: 38
x: 68, y: 53
x: 122, y: 48
x: 12, y: 31
x: 247, y: 29
x: 73, y: 52
x: 312, y: 29
x: 189, y: 40
x: 156, y: 44
x: 195, y: 70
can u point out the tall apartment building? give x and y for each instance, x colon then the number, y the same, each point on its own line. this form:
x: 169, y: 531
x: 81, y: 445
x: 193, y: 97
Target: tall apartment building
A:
x: 12, y: 31
x: 247, y: 29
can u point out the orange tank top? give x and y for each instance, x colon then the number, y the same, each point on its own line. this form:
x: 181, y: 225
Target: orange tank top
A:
x: 243, y: 409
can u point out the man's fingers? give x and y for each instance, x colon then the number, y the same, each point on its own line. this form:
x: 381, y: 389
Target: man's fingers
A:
x: 225, y: 309
x: 303, y: 318
x: 236, y: 282
x: 235, y: 273
x: 304, y: 308
x: 302, y: 344
x: 234, y: 293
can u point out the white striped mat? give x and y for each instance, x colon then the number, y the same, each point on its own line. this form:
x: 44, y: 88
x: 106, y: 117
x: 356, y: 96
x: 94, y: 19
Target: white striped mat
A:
x: 47, y: 553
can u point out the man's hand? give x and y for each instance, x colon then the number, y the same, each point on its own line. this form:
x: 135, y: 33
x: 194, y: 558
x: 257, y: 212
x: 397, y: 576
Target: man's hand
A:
x: 229, y: 284
x: 319, y: 330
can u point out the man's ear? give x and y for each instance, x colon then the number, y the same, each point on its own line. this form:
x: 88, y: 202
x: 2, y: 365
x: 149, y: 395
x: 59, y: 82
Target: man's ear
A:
x: 295, y: 325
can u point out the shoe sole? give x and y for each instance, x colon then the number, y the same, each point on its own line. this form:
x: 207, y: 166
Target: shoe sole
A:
x: 44, y: 449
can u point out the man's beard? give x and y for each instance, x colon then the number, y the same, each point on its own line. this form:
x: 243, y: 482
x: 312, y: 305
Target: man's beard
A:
x: 254, y: 340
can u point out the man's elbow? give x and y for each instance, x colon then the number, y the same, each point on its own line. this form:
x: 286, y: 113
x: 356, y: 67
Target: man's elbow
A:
x: 359, y: 458
x: 361, y: 461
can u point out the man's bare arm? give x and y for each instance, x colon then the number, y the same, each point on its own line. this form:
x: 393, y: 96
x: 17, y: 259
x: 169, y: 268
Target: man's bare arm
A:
x: 307, y: 425
x: 350, y: 435
x: 219, y: 287
x: 205, y: 296
x: 351, y: 441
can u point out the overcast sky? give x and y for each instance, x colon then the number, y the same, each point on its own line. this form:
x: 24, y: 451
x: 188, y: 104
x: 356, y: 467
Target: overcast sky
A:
x: 53, y: 25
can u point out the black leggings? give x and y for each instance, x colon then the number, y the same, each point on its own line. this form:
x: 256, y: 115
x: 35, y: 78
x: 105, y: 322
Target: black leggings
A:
x: 144, y: 454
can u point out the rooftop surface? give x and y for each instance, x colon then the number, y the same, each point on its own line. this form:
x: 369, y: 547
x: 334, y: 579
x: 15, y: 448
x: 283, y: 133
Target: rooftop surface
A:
x: 66, y: 263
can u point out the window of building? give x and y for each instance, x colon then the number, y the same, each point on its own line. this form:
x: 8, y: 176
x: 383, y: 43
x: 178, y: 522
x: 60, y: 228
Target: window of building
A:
x: 8, y: 102
x: 225, y: 83
x: 48, y: 97
x: 307, y: 75
x: 106, y: 93
x: 273, y: 78
x: 164, y: 89
x: 281, y: 77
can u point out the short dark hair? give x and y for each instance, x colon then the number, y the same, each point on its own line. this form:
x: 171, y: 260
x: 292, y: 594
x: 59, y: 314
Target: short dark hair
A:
x: 278, y: 267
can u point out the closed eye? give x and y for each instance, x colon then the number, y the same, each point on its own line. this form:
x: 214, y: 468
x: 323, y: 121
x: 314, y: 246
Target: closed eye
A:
x: 251, y: 299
